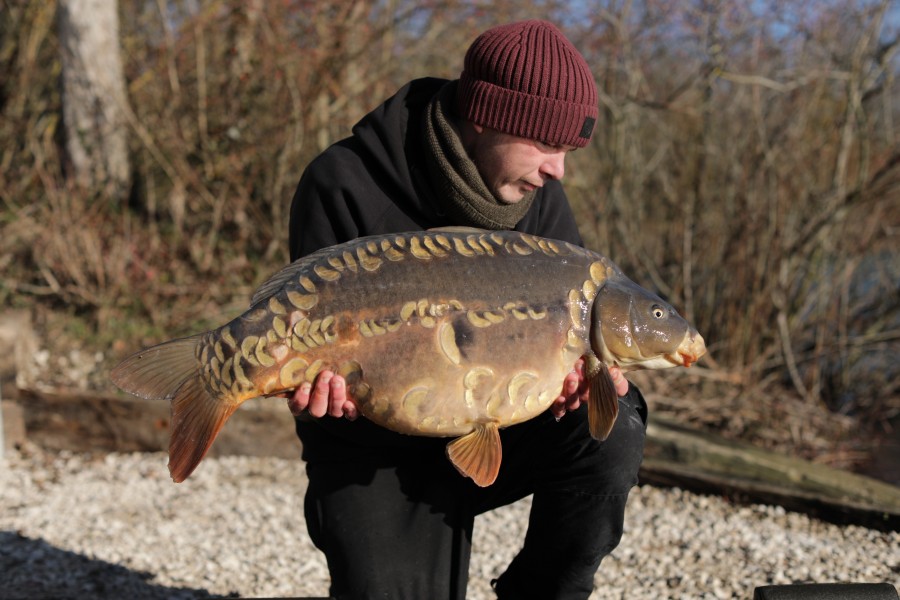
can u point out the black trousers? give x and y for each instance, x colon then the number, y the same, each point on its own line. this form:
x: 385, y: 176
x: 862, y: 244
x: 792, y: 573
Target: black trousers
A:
x: 397, y: 522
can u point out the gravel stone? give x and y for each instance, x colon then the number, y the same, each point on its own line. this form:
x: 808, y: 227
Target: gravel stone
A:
x: 115, y: 526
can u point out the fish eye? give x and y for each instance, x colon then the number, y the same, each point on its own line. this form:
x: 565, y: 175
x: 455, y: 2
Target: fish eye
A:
x: 658, y: 311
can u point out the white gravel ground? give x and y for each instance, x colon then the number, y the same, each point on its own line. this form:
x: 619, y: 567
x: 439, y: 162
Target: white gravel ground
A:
x: 117, y: 527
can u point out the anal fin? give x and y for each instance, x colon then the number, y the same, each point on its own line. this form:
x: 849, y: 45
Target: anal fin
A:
x: 478, y: 454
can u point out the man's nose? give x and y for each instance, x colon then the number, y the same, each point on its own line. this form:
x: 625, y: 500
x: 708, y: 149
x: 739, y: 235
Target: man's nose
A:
x: 554, y: 166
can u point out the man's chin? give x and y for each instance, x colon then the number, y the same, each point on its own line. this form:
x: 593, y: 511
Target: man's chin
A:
x: 512, y: 196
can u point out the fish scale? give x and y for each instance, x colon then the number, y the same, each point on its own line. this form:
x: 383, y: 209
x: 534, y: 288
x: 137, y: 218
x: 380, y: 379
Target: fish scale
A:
x: 453, y: 333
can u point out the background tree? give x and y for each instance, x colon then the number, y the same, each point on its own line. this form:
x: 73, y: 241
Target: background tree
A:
x: 94, y: 100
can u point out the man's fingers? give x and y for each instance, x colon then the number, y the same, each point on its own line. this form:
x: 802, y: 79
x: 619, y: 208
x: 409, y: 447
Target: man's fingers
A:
x: 327, y: 396
x: 338, y: 396
x: 299, y: 400
x: 318, y: 401
x: 570, y: 384
x: 576, y: 390
x: 558, y: 408
x: 619, y: 381
x: 579, y: 367
x: 350, y: 411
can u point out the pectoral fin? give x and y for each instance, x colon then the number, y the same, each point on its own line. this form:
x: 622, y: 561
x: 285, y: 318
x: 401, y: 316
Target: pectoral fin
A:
x: 603, y: 404
x: 478, y: 454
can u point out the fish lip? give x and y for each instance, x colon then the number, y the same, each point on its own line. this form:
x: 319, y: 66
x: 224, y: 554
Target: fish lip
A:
x: 691, y: 349
x: 687, y: 359
x: 680, y: 358
x: 677, y: 359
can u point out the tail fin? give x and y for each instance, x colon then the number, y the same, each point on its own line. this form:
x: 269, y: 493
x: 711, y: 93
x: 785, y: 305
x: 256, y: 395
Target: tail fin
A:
x: 197, y: 418
x: 155, y: 373
x: 172, y: 371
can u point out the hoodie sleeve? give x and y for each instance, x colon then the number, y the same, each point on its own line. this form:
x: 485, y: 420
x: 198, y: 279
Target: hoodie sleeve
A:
x: 362, y: 184
x: 320, y: 213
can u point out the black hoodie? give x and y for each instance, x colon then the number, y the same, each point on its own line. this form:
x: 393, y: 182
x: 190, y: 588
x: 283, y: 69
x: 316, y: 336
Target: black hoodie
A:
x: 365, y: 185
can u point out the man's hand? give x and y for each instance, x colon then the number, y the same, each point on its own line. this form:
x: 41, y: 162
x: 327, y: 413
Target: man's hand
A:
x: 328, y: 396
x: 576, y: 389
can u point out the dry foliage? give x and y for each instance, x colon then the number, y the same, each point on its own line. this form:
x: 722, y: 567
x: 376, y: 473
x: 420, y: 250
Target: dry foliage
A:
x: 745, y: 166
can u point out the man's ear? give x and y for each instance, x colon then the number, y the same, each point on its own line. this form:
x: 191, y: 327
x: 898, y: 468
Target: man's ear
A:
x: 469, y: 132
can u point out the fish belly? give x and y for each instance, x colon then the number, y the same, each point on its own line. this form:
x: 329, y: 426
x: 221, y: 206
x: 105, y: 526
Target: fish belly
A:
x: 442, y: 381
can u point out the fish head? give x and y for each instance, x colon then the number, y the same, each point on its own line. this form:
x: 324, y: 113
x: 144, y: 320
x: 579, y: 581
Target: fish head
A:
x: 634, y: 328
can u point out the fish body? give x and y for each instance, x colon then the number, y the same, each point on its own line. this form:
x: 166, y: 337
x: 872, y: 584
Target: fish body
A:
x: 452, y: 333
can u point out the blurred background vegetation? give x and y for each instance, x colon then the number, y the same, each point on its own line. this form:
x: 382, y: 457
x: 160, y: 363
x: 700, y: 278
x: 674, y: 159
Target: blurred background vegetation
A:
x: 746, y: 166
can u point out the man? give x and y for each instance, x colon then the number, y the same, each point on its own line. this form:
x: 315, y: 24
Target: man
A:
x: 389, y: 511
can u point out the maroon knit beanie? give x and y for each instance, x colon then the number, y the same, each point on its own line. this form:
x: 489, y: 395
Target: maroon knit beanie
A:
x: 526, y: 79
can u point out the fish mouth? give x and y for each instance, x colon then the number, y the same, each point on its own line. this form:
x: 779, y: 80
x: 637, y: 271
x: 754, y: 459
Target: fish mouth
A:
x: 688, y: 352
x: 691, y: 349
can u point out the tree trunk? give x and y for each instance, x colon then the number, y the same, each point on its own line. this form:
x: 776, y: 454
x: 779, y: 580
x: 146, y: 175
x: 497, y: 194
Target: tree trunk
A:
x: 93, y: 92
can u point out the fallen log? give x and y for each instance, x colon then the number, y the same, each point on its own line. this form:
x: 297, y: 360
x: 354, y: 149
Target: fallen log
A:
x: 677, y: 456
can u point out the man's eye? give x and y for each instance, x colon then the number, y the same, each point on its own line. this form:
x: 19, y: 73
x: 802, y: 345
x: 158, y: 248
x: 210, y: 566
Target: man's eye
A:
x: 553, y: 148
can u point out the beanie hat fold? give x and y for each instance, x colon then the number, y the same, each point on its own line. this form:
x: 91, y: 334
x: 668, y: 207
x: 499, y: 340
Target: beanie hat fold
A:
x: 557, y: 122
x: 526, y: 79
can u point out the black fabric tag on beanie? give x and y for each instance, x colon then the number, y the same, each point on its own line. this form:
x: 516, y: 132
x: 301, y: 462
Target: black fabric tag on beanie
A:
x: 587, y: 127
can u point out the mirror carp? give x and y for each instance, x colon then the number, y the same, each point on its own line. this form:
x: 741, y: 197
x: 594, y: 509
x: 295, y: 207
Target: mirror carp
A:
x: 452, y: 332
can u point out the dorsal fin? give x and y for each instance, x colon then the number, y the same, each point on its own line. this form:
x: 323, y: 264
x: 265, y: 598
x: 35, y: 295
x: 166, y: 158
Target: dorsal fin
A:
x: 293, y: 270
x: 287, y: 273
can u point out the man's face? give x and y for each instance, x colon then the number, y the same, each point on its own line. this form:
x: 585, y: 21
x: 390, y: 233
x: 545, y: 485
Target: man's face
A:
x: 513, y: 166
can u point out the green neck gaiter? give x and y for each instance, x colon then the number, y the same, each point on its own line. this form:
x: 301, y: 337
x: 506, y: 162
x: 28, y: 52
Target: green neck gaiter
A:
x: 453, y: 178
